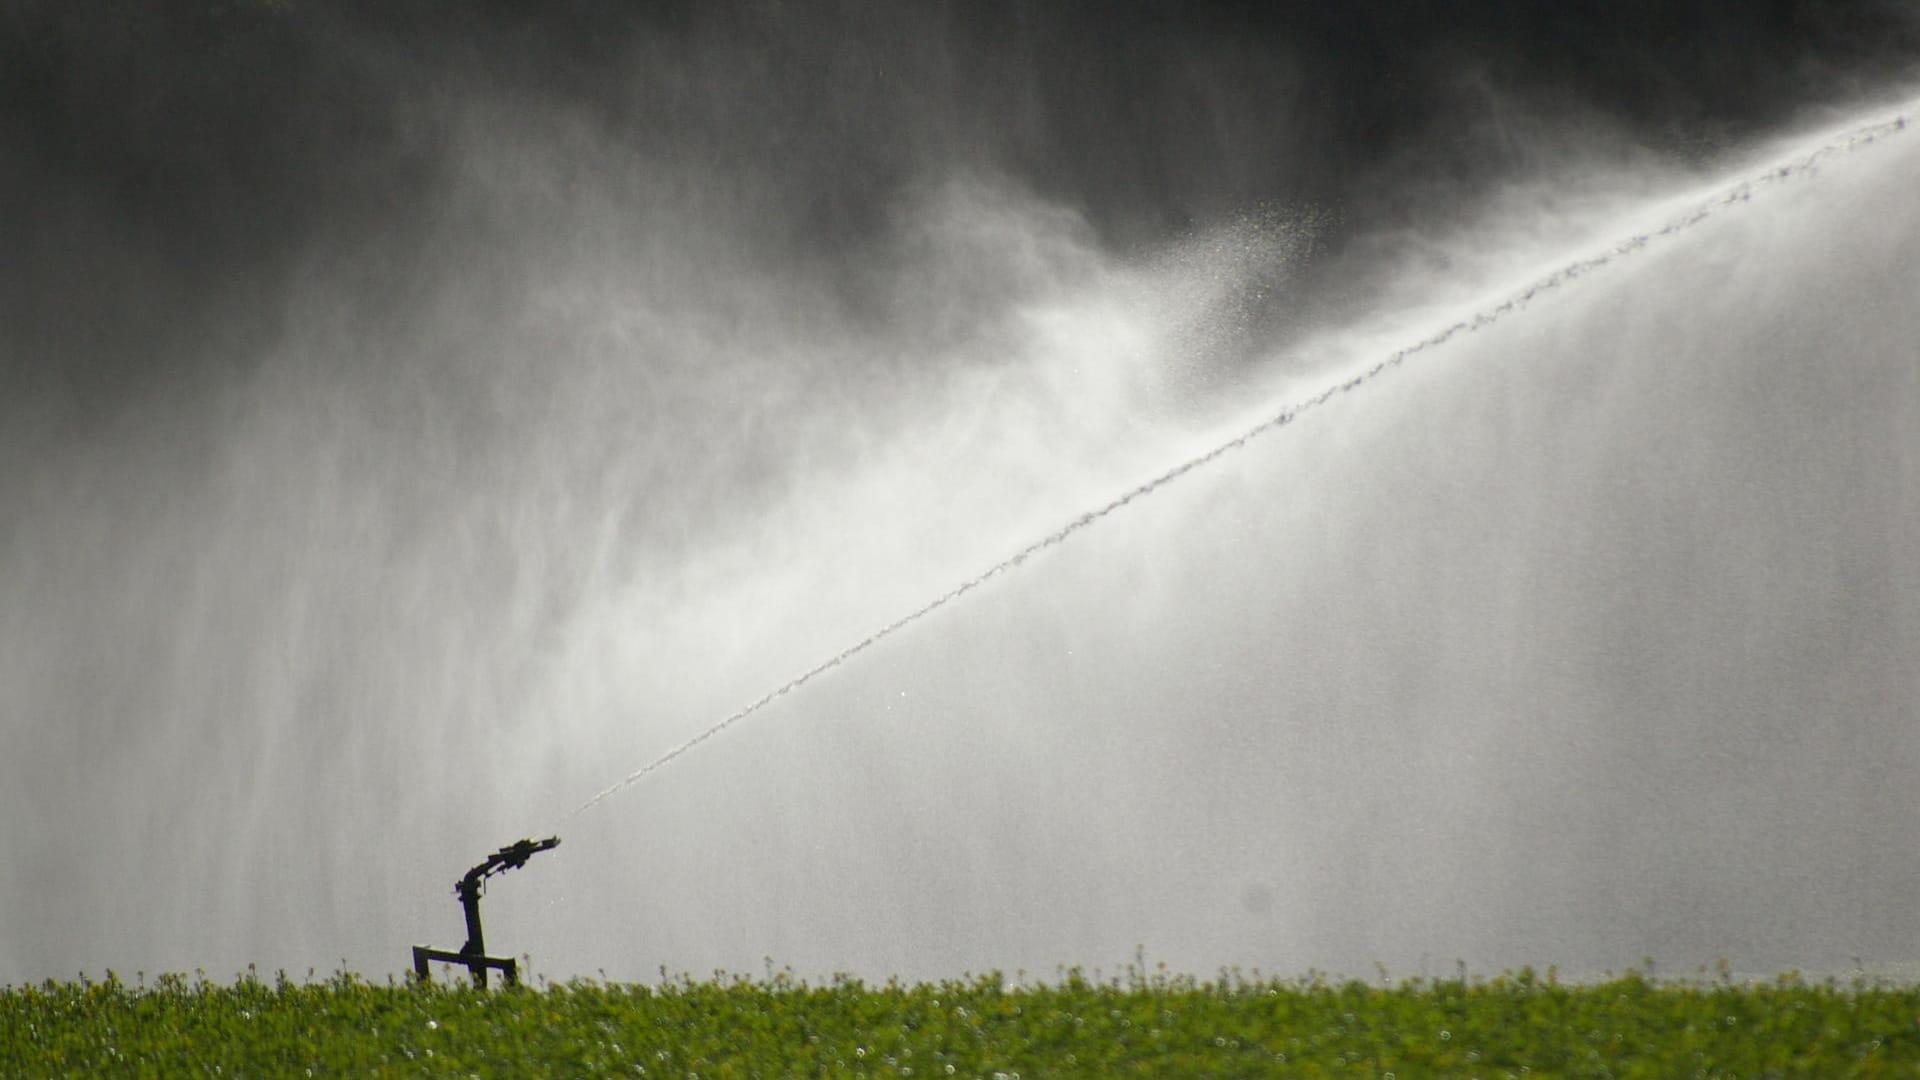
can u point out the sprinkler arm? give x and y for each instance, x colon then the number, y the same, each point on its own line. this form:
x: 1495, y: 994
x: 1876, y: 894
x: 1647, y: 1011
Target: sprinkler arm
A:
x: 511, y: 857
x: 472, y: 885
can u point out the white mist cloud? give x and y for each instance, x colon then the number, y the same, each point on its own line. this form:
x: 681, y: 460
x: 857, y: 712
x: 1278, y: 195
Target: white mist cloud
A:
x: 1572, y: 641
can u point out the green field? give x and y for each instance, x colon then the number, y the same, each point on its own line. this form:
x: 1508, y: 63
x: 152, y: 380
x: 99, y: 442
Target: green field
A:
x: 1139, y: 1025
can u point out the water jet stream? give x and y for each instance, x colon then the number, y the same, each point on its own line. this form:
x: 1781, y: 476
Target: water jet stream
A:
x: 1796, y: 165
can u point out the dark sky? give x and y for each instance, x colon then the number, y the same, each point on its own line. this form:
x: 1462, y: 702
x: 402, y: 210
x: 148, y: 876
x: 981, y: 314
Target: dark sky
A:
x: 168, y: 165
x: 219, y: 116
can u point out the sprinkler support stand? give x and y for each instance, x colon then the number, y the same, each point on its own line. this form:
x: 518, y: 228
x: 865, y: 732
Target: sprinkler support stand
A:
x: 469, y: 889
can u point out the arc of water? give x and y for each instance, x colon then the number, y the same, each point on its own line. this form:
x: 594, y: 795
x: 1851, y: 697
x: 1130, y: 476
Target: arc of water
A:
x: 1797, y: 165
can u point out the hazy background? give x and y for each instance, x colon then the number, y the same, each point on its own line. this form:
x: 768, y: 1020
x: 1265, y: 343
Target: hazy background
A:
x: 417, y: 417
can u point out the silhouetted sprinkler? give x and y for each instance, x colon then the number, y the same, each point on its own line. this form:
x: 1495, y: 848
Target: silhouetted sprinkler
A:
x: 474, y: 952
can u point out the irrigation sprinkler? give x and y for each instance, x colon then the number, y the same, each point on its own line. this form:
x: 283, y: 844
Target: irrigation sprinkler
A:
x: 469, y: 888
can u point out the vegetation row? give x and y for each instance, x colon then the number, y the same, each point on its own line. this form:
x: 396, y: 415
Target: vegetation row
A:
x: 1516, y: 1025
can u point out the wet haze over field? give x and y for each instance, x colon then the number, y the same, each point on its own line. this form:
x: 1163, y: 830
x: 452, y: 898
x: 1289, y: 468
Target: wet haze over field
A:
x: 414, y: 423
